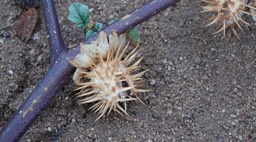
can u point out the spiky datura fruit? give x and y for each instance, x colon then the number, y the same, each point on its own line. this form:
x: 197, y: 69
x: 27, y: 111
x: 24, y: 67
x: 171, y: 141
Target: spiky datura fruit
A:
x: 229, y: 13
x: 106, y: 76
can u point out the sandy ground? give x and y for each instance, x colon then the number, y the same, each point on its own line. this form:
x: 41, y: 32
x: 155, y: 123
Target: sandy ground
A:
x: 204, y: 85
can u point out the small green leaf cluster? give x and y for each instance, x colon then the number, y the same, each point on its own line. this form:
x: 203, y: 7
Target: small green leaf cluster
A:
x: 96, y: 28
x: 81, y: 15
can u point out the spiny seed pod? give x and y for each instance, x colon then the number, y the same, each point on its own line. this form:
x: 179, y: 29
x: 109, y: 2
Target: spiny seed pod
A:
x: 106, y: 76
x: 229, y: 13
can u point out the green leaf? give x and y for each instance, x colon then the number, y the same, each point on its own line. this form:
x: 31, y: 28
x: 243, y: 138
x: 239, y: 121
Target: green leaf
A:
x: 98, y: 26
x: 90, y: 33
x: 113, y: 20
x: 79, y: 14
x: 134, y: 36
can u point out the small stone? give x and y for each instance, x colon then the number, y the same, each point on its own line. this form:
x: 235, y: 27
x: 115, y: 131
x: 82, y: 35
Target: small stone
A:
x: 6, y: 34
x: 10, y: 72
x: 39, y: 58
x: 189, y: 114
x: 197, y: 60
x: 36, y: 36
x: 152, y: 82
x: 240, y: 137
x: 205, y: 77
x: 169, y: 112
x: 111, y: 16
x: 49, y: 129
x: 162, y: 82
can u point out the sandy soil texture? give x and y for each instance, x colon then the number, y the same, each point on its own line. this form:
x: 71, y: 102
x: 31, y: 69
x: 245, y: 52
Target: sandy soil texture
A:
x: 204, y: 85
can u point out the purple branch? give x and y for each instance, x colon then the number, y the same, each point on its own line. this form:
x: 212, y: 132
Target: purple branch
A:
x: 53, y: 29
x: 61, y: 71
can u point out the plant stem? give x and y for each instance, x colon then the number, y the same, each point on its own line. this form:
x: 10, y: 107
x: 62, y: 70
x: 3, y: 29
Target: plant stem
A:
x: 53, y: 28
x: 61, y: 71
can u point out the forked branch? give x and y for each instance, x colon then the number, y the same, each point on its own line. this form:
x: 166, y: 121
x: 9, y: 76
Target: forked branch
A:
x: 61, y: 71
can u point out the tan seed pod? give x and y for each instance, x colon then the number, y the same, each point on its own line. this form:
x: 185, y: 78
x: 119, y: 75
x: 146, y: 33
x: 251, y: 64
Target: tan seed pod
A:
x: 106, y: 76
x: 229, y: 13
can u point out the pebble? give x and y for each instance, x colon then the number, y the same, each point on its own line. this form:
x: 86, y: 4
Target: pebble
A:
x: 205, y: 77
x: 152, y: 82
x: 39, y: 58
x: 36, y: 36
x: 240, y: 137
x: 169, y: 112
x: 1, y: 41
x: 49, y: 129
x: 10, y: 72
x: 197, y: 60
x: 6, y: 34
x: 235, y: 90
